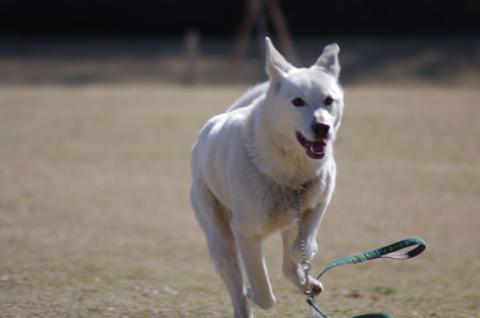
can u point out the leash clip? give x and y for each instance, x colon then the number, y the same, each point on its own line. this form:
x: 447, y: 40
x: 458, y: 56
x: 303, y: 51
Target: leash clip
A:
x: 305, y: 267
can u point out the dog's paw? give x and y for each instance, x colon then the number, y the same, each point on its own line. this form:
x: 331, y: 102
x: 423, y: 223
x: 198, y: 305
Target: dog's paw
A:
x: 264, y: 302
x: 315, y: 286
x: 305, y: 285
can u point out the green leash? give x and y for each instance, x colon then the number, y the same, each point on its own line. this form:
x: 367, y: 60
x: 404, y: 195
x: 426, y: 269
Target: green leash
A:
x: 390, y: 251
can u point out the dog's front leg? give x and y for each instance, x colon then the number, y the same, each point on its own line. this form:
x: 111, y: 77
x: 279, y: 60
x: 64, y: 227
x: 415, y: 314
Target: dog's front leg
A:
x: 292, y: 251
x: 260, y: 293
x: 291, y: 267
x: 310, y: 224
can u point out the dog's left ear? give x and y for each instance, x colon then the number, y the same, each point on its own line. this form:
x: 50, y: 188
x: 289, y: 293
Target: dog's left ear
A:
x: 276, y: 65
x: 328, y: 61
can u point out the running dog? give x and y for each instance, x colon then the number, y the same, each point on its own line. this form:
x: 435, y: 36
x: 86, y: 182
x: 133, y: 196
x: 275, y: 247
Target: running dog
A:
x: 266, y: 165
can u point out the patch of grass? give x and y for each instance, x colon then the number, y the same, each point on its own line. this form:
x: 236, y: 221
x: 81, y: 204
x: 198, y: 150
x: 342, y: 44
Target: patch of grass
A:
x: 385, y: 290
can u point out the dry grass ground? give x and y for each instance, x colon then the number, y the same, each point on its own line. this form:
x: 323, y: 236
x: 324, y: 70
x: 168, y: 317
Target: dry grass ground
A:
x: 95, y: 218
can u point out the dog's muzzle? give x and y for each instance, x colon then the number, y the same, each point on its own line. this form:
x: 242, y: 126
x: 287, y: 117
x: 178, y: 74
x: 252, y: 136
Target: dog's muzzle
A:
x: 314, y: 149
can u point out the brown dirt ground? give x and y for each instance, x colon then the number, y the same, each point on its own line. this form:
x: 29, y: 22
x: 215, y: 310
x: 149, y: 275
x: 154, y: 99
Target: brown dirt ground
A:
x: 95, y: 218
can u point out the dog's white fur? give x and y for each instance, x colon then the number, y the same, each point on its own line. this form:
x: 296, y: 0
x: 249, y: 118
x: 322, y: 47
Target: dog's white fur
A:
x: 247, y: 164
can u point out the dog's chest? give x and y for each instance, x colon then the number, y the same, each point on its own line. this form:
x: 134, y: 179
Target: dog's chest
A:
x: 282, y: 204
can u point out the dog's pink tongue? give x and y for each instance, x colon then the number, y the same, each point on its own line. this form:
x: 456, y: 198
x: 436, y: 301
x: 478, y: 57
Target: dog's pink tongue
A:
x: 319, y: 146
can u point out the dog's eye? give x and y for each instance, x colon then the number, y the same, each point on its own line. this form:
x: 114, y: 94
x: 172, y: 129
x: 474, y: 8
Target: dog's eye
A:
x: 299, y: 102
x: 328, y: 101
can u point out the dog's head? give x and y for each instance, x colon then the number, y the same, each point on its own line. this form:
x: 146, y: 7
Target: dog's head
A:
x: 305, y: 105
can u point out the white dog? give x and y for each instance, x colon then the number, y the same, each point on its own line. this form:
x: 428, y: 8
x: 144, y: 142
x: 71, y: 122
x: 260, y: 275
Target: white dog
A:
x: 267, y: 165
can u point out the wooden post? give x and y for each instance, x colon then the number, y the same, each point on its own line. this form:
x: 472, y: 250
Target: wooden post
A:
x: 255, y: 13
x: 192, y: 52
x: 280, y: 26
x: 252, y: 10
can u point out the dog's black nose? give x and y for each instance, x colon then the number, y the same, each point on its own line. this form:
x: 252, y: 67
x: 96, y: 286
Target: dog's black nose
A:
x: 320, y: 130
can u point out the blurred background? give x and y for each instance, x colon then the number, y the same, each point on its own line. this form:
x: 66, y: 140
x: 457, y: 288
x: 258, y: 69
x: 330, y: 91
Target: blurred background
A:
x: 81, y: 42
x: 100, y: 102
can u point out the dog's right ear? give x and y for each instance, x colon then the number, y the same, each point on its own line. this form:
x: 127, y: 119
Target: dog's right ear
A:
x: 328, y: 61
x: 276, y: 65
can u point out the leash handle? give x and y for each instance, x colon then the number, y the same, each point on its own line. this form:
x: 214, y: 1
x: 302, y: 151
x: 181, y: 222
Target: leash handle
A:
x: 392, y: 251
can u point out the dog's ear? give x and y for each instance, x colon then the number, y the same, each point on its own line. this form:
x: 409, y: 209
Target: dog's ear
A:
x: 328, y: 61
x: 276, y: 65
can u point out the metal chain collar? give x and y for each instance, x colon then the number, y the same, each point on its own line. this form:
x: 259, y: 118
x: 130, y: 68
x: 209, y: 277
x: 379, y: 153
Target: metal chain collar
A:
x: 305, y: 265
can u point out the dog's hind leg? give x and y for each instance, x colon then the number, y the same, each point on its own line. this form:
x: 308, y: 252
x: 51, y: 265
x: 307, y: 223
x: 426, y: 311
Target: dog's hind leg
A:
x: 252, y: 255
x: 213, y: 219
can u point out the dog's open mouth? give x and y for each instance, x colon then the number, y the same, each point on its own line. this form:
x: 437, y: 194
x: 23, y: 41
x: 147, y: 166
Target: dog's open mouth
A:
x: 314, y: 149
